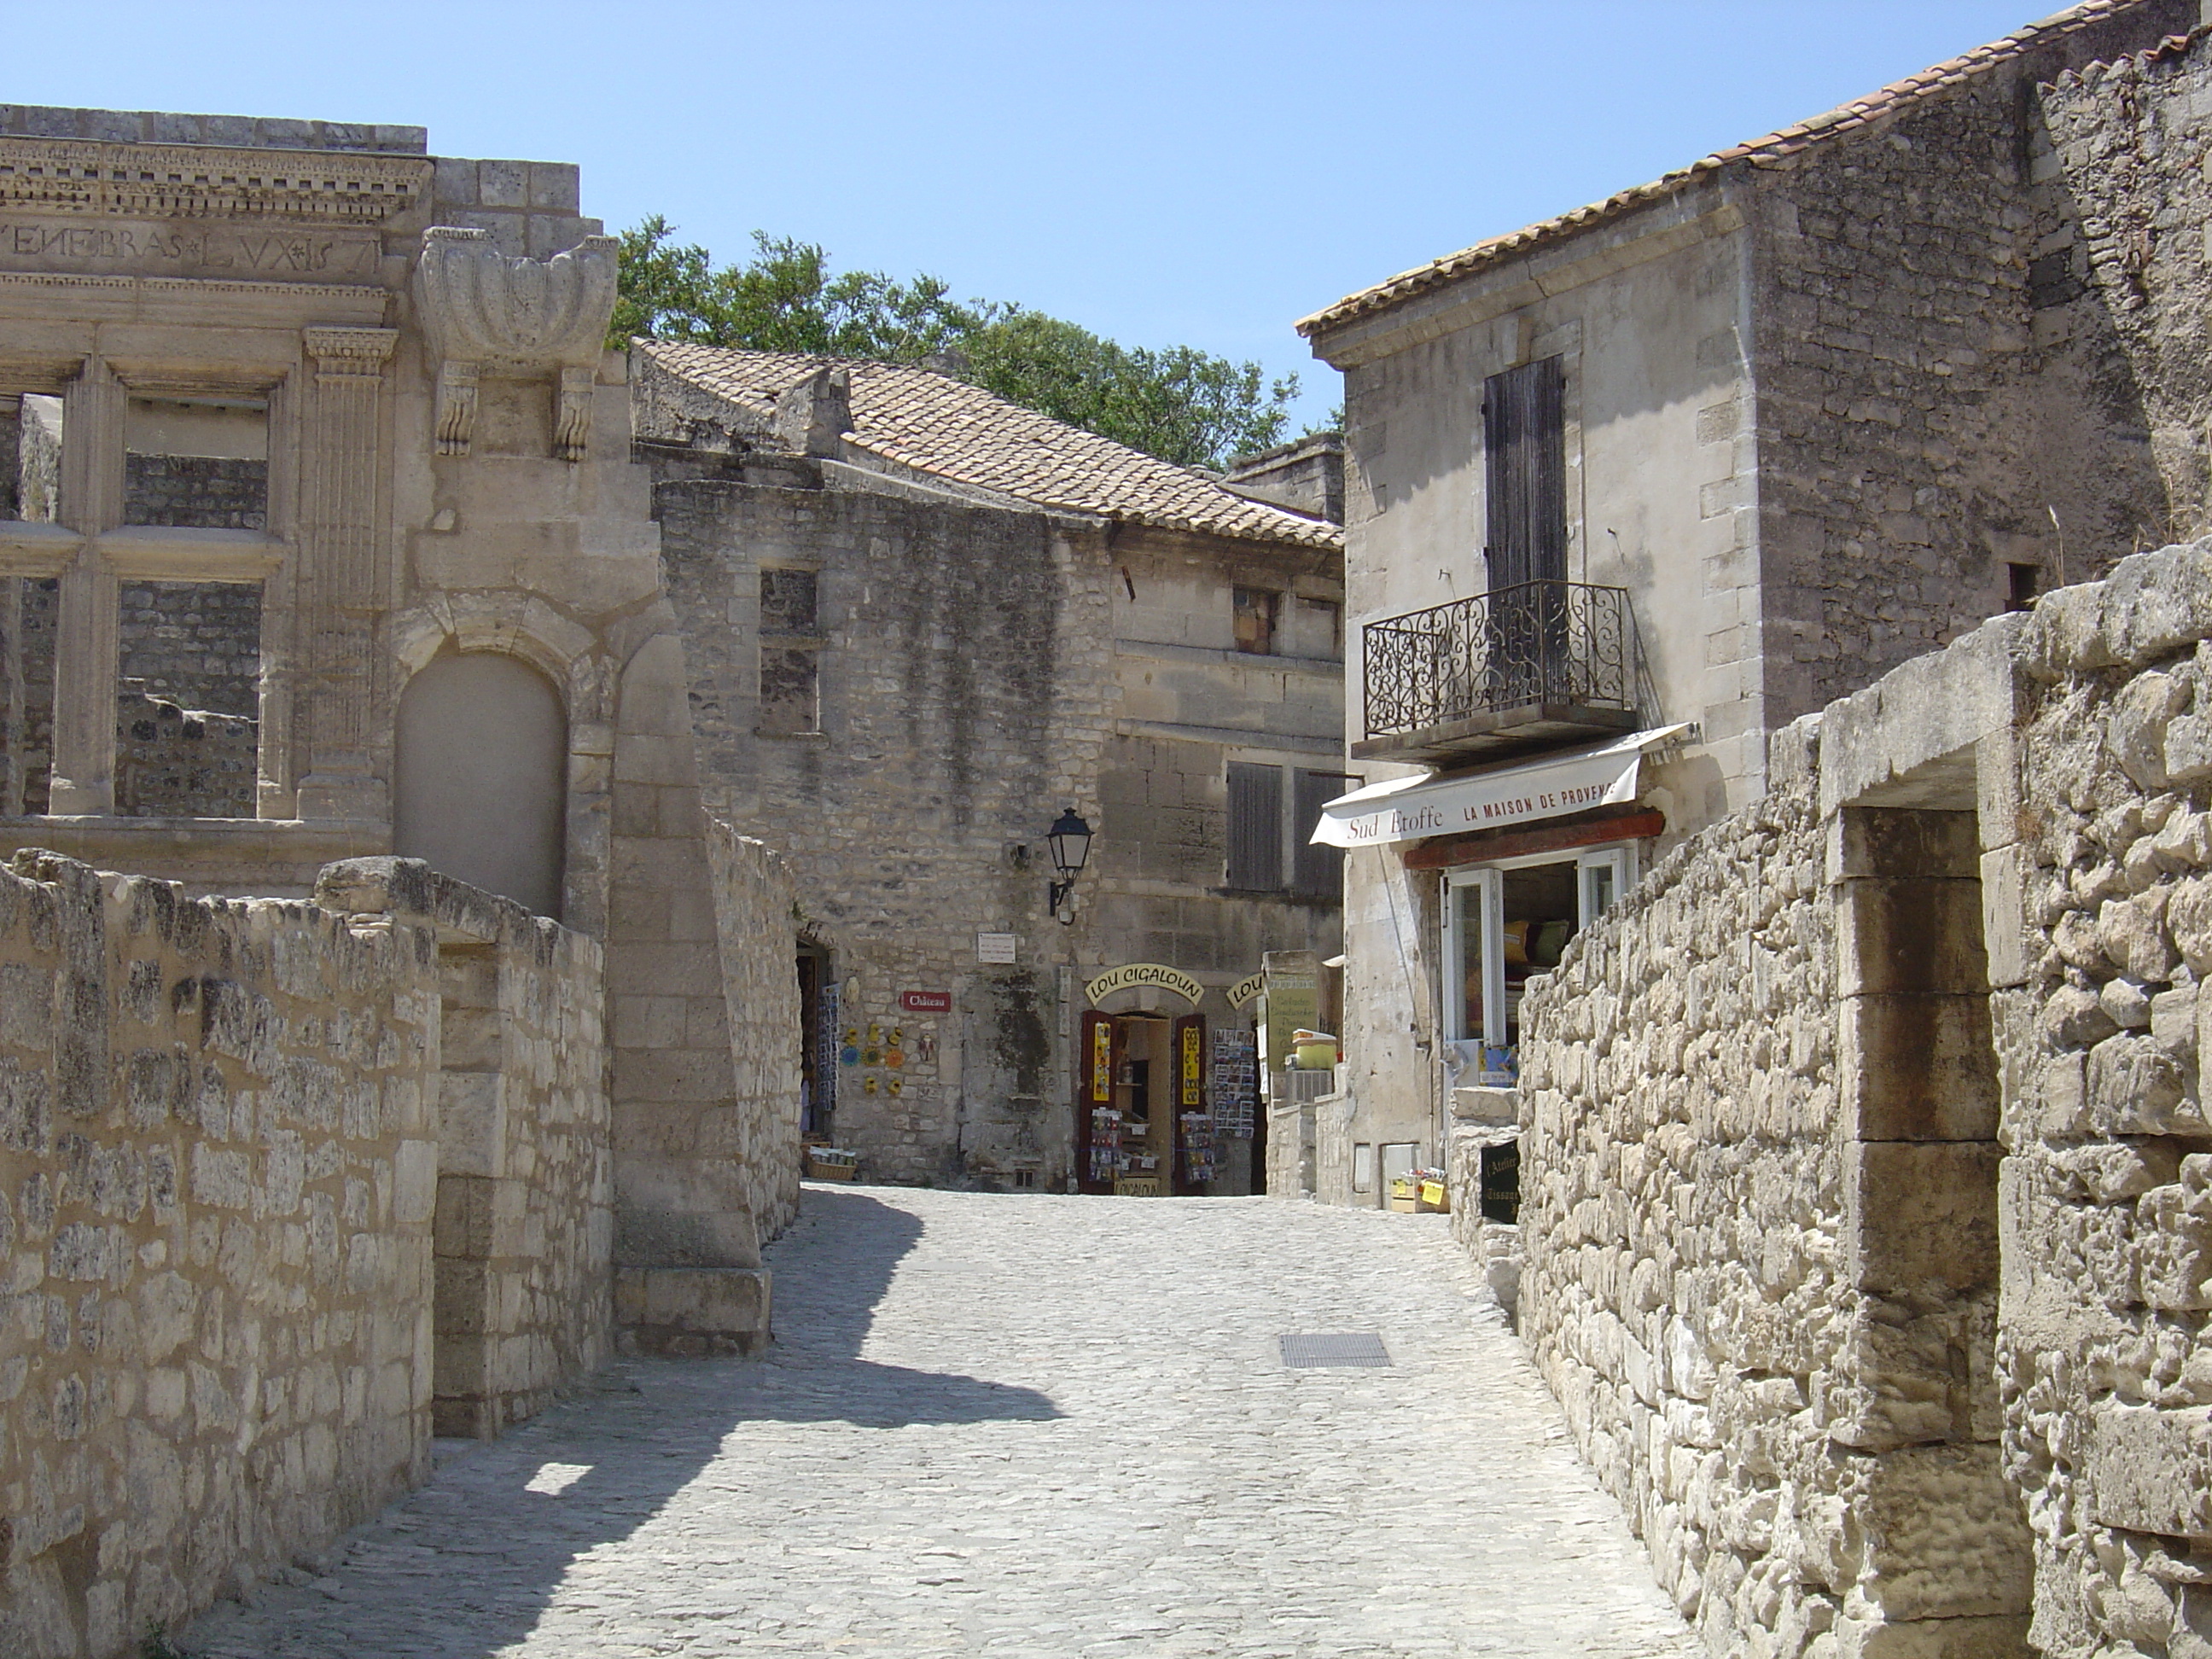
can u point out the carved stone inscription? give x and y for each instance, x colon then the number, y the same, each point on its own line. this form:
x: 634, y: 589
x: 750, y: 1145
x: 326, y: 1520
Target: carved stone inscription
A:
x: 278, y: 253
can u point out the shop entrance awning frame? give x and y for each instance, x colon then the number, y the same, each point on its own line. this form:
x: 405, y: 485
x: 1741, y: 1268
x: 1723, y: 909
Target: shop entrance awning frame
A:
x: 1418, y: 809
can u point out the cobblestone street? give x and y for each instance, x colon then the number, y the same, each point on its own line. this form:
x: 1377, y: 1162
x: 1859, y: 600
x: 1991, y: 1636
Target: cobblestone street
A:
x: 1022, y: 1426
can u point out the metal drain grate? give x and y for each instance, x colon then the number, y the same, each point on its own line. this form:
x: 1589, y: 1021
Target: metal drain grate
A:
x: 1361, y: 1348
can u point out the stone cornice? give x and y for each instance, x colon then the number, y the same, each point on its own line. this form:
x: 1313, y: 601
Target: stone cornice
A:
x: 172, y: 181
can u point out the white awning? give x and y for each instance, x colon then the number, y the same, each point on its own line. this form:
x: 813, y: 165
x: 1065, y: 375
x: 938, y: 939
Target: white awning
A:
x: 1412, y: 808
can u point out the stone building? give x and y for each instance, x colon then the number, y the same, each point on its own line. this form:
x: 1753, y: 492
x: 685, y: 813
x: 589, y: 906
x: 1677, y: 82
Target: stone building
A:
x: 921, y: 623
x: 436, y: 1040
x: 1671, y: 471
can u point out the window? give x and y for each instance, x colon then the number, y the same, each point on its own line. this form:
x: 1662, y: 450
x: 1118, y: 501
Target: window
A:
x: 31, y: 457
x: 1525, y: 473
x: 188, y: 706
x: 199, y: 463
x: 1316, y: 871
x: 790, y: 653
x: 1255, y: 620
x: 1267, y: 843
x: 1505, y: 922
x: 1255, y: 827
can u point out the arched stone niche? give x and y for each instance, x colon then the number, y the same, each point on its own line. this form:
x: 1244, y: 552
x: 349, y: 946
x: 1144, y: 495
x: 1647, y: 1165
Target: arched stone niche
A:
x: 480, y: 785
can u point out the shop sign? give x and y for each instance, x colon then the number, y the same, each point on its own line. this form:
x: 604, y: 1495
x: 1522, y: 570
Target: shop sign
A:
x: 1130, y: 975
x: 926, y: 1002
x: 1246, y: 988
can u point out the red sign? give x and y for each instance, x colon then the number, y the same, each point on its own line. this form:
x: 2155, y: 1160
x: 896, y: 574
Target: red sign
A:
x: 926, y: 1002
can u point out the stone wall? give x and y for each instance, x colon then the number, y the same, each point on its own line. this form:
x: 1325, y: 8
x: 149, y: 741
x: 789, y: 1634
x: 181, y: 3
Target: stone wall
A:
x: 523, y: 1238
x: 197, y: 492
x: 198, y: 644
x: 1919, y: 424
x: 283, y: 1187
x: 944, y: 665
x: 754, y: 902
x: 2102, y: 1343
x: 1867, y: 1187
x: 1680, y: 1201
x: 172, y: 763
x: 218, y: 1173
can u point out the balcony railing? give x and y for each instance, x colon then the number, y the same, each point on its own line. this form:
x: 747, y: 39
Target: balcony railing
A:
x: 1539, y: 665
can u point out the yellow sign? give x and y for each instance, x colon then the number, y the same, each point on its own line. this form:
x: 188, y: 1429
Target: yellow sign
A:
x: 1130, y: 975
x: 1193, y: 1041
x: 1246, y: 988
x: 1102, y: 1062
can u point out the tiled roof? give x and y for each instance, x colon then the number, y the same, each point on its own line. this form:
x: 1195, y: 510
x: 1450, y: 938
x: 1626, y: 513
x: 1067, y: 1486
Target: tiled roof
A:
x: 1774, y: 147
x: 919, y: 419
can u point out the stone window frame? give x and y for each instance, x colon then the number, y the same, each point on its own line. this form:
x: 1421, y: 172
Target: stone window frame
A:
x: 93, y: 552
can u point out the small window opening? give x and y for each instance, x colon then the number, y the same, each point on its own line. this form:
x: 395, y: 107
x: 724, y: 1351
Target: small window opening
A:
x: 789, y: 601
x: 30, y: 457
x: 2022, y: 583
x: 790, y: 692
x: 1255, y: 620
x: 188, y: 704
x: 199, y: 463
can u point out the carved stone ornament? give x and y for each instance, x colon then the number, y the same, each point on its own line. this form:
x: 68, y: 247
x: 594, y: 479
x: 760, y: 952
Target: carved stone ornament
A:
x: 528, y: 317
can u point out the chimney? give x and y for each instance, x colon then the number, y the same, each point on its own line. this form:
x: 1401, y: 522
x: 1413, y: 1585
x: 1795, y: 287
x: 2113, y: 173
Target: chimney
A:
x: 811, y: 416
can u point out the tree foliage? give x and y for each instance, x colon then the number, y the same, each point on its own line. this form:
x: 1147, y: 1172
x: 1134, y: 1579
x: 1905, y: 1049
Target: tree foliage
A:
x: 1178, y: 403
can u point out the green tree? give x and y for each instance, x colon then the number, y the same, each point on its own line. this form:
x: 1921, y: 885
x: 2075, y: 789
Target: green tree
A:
x: 1180, y: 404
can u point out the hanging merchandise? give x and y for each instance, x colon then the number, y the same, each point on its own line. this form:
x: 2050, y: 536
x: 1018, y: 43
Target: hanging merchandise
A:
x: 1199, y: 1161
x: 1236, y: 1079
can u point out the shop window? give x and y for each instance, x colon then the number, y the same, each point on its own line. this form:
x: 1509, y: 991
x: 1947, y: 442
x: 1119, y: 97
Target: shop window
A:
x: 187, y: 731
x: 196, y: 463
x: 1315, y: 872
x: 1255, y: 612
x: 1505, y: 924
x: 30, y: 457
x: 1255, y: 827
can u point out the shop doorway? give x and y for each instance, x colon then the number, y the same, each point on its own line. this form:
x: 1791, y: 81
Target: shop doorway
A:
x: 817, y: 1043
x: 1141, y: 1125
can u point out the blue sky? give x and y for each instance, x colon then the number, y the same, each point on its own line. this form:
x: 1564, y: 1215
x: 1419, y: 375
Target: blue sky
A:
x: 1202, y: 172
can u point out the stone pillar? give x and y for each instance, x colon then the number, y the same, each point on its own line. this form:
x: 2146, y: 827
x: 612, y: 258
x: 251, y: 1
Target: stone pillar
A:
x: 1944, y: 1565
x: 86, y: 644
x: 340, y: 591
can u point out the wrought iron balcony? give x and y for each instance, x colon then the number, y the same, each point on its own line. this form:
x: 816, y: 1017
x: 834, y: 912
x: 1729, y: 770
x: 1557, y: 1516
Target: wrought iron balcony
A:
x: 1540, y: 665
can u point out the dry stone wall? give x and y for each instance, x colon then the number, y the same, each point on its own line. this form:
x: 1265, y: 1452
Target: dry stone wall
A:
x: 1866, y: 1176
x: 1680, y: 1204
x: 754, y: 903
x: 2102, y: 1343
x: 217, y: 1175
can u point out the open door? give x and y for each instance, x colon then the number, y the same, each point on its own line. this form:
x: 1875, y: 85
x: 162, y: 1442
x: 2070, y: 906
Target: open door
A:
x: 1195, y: 1154
x: 1097, y: 1129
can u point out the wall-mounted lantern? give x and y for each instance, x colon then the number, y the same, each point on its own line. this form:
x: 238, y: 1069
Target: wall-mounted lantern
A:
x: 1070, y: 838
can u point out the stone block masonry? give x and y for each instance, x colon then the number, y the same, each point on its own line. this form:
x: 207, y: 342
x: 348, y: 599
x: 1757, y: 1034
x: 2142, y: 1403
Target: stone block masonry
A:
x: 256, y: 1225
x: 1867, y: 1177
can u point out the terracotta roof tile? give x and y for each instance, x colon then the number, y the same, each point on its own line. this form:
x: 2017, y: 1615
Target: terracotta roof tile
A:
x: 1776, y: 146
x: 917, y: 418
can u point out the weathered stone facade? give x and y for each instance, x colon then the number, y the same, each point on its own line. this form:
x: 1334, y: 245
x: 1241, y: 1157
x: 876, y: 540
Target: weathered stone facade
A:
x: 899, y: 679
x: 1867, y: 1238
x: 322, y: 543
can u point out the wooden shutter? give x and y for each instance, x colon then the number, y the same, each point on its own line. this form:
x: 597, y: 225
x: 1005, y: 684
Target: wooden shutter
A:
x: 1255, y: 827
x: 1525, y: 472
x: 1316, y: 871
